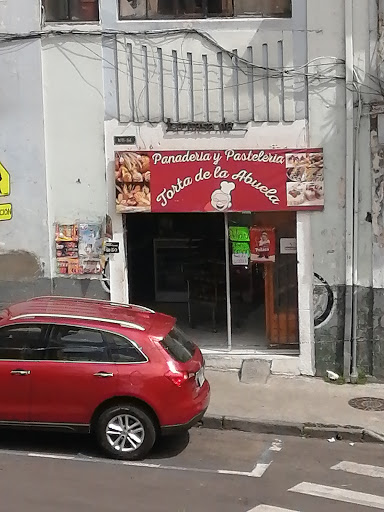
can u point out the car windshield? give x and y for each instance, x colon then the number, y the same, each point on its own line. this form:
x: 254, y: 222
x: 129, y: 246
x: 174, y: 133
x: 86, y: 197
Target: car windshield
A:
x: 178, y: 345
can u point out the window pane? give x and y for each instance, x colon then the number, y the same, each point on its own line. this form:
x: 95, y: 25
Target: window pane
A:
x: 220, y: 7
x: 133, y: 8
x: 76, y: 344
x: 71, y: 10
x: 178, y: 345
x: 277, y: 8
x: 56, y: 10
x: 122, y: 350
x: 177, y: 8
x: 84, y: 10
x: 21, y: 342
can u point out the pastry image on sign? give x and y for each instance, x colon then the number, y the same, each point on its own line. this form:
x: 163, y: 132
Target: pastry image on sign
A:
x: 221, y: 198
x: 132, y: 178
x: 263, y: 245
x: 305, y: 194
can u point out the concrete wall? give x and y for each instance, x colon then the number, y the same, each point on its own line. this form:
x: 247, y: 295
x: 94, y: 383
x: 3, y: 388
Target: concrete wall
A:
x: 327, y: 127
x: 24, y: 240
x: 52, y: 143
x: 74, y: 127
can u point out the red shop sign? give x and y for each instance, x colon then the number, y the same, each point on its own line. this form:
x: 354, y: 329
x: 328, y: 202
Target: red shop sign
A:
x: 224, y: 181
x: 263, y: 244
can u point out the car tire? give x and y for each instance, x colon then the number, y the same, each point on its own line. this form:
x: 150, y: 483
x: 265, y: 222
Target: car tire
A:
x: 121, y: 427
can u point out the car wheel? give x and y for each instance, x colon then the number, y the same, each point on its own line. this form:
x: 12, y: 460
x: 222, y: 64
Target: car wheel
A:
x: 126, y: 432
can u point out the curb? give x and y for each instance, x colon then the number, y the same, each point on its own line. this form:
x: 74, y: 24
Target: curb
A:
x: 281, y: 428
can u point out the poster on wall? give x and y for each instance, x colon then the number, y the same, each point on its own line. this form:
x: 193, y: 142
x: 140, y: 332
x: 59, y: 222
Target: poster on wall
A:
x: 219, y: 181
x: 78, y: 248
x: 90, y: 240
x: 263, y: 245
x: 67, y: 248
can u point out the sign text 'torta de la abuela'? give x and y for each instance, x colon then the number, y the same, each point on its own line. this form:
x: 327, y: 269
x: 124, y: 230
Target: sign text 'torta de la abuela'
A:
x: 5, y: 189
x: 219, y: 180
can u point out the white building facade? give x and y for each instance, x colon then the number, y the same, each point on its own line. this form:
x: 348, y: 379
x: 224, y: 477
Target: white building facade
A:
x: 92, y: 79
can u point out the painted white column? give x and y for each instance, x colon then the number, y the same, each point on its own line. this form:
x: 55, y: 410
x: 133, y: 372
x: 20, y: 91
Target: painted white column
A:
x: 117, y: 262
x: 305, y: 293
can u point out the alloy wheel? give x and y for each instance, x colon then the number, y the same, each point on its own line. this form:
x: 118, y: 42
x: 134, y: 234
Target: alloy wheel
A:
x: 125, y: 433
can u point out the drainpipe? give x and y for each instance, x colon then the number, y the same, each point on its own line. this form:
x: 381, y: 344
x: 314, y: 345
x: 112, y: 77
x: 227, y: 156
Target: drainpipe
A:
x: 349, y: 340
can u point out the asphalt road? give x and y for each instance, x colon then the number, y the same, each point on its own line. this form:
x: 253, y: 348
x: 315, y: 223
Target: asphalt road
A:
x: 205, y: 470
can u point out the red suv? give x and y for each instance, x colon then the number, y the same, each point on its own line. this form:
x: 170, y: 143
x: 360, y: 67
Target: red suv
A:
x: 123, y: 372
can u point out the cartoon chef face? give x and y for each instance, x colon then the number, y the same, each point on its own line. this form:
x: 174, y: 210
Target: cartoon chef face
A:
x: 221, y: 199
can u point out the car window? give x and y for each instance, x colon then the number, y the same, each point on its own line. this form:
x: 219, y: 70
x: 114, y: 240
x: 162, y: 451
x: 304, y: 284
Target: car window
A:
x: 67, y: 343
x: 178, y: 345
x: 22, y: 342
x: 122, y: 350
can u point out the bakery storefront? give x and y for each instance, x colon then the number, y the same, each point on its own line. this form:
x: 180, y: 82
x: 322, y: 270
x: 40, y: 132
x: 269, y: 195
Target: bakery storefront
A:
x: 210, y: 238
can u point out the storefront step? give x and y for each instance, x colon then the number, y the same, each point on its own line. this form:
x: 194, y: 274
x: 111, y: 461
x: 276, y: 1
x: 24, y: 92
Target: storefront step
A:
x: 253, y: 368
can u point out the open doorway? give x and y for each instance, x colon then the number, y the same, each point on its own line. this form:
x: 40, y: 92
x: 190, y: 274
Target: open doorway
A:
x: 176, y: 265
x: 182, y: 265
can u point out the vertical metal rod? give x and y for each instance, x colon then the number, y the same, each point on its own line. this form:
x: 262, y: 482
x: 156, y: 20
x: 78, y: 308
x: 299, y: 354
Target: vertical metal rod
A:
x: 161, y: 81
x: 205, y: 88
x: 228, y: 282
x: 191, y: 86
x: 280, y: 58
x: 236, y: 87
x: 131, y: 78
x: 175, y: 71
x: 251, y: 83
x: 144, y: 50
x: 266, y: 78
x: 221, y: 84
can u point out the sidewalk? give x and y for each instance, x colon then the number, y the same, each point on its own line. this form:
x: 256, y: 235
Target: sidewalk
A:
x: 293, y: 402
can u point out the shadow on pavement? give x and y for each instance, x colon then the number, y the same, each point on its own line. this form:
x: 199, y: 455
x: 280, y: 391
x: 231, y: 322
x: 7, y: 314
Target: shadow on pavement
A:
x: 80, y: 444
x: 170, y: 446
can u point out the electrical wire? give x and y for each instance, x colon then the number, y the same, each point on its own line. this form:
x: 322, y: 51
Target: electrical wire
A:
x: 268, y: 73
x: 4, y: 37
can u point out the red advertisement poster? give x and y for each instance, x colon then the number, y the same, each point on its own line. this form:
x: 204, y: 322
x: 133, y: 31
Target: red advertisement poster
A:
x: 263, y: 245
x: 219, y: 180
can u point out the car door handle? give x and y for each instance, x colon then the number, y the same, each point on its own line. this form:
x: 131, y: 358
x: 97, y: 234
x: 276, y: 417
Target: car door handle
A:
x: 103, y: 374
x: 20, y: 372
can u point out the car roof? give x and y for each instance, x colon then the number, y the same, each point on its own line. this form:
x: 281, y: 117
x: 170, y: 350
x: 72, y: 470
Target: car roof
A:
x: 89, y: 311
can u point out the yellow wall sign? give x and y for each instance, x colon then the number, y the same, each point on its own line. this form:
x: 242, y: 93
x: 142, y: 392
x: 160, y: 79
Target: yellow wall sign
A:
x: 5, y: 182
x: 5, y: 211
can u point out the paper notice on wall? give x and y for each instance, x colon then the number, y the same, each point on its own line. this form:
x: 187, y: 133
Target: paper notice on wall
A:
x: 240, y: 259
x: 240, y: 253
x: 90, y: 240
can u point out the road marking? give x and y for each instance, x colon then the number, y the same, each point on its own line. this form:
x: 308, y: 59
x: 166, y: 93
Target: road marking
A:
x: 269, y: 508
x: 276, y: 446
x: 53, y: 456
x: 336, y: 494
x: 147, y: 465
x: 259, y: 470
x: 359, y: 469
x: 266, y: 459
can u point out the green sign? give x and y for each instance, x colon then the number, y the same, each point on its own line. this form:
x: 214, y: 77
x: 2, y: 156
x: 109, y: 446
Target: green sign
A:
x: 239, y: 234
x: 240, y: 248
